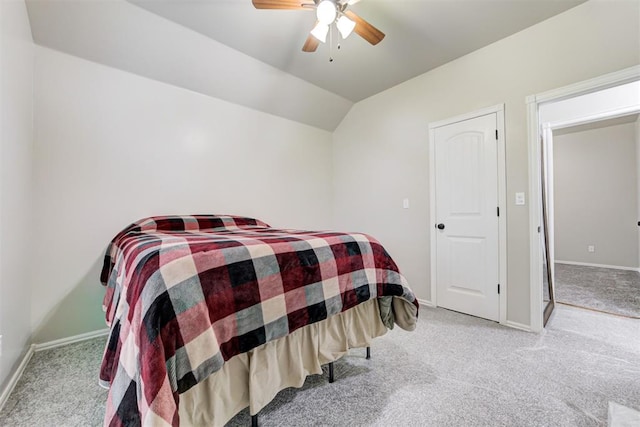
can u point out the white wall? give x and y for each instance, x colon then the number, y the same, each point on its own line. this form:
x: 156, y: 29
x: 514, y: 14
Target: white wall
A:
x: 16, y: 140
x: 595, y: 196
x: 112, y: 147
x: 380, y: 148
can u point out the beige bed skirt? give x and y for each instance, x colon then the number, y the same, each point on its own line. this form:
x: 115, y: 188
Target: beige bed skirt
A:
x: 254, y: 378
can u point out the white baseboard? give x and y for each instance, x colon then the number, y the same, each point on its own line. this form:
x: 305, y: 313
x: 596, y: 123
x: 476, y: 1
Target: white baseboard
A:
x: 508, y: 323
x: 516, y: 325
x: 33, y: 348
x: 70, y: 340
x: 425, y: 302
x: 8, y: 389
x: 588, y: 264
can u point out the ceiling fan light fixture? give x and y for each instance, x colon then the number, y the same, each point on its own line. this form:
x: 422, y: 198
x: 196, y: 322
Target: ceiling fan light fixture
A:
x: 326, y: 12
x: 345, y: 26
x: 320, y: 32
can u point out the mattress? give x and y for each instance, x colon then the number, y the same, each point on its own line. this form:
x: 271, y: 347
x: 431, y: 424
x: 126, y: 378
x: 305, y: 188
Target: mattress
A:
x: 187, y: 294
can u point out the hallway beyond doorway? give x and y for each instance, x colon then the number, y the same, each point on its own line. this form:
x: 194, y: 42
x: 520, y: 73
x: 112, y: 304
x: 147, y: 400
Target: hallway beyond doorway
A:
x: 603, y: 289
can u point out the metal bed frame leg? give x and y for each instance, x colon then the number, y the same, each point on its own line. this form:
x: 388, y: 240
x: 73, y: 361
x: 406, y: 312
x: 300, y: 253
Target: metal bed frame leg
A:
x: 254, y: 420
x: 331, y: 379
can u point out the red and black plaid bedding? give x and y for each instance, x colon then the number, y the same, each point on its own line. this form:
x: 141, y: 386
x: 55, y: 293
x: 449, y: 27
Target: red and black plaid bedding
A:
x: 186, y: 293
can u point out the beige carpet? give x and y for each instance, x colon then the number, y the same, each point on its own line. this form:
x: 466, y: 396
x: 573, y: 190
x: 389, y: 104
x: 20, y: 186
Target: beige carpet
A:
x: 604, y: 289
x: 454, y: 370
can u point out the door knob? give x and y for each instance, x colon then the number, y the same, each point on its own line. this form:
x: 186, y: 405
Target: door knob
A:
x: 440, y: 226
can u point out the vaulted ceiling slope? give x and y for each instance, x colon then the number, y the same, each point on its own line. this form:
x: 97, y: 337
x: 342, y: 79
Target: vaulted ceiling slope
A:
x: 121, y: 35
x: 230, y: 50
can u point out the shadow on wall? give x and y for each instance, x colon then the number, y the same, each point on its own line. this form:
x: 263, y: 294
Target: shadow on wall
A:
x: 79, y: 312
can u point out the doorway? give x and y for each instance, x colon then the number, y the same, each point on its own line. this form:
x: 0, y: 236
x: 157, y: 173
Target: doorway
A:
x: 595, y: 214
x: 468, y: 235
x: 607, y: 97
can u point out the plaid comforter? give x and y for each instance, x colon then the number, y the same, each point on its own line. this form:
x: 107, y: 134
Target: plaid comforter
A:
x: 186, y: 293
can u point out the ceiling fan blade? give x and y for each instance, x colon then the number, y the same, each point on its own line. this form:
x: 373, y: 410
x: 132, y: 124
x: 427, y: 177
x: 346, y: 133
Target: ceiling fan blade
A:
x: 364, y: 29
x: 280, y: 4
x: 311, y: 44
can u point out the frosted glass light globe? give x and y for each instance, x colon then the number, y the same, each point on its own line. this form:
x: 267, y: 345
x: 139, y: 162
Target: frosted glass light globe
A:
x: 326, y: 12
x: 345, y: 26
x: 320, y: 32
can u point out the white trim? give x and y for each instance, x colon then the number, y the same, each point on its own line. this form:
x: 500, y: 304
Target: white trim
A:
x: 516, y: 325
x: 637, y: 132
x: 535, y: 250
x: 616, y: 78
x: 467, y: 116
x: 70, y: 340
x: 588, y: 264
x: 533, y: 102
x: 549, y: 173
x: 8, y: 389
x: 502, y: 219
x: 613, y: 114
x: 33, y: 348
x: 425, y: 302
x: 498, y: 110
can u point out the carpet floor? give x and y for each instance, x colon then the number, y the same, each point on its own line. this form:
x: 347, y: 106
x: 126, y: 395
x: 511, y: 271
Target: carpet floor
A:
x: 454, y: 370
x: 604, y: 289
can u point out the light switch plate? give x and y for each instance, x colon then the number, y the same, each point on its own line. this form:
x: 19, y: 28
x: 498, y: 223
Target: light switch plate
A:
x: 520, y: 199
x: 405, y: 203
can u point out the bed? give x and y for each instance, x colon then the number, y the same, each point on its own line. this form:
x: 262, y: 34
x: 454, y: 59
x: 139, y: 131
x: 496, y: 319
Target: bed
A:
x: 209, y: 314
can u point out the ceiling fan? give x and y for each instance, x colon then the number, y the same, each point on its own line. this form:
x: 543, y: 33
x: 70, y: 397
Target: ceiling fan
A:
x: 328, y: 12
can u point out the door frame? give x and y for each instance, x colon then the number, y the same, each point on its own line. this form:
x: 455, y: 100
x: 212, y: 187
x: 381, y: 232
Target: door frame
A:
x: 502, y: 204
x: 535, y: 131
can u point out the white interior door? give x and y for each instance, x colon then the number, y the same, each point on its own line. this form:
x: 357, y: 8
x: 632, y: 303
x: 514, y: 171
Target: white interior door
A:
x: 467, y: 235
x: 547, y: 178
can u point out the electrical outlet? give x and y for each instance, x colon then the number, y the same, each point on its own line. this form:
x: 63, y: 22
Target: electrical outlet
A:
x: 591, y: 248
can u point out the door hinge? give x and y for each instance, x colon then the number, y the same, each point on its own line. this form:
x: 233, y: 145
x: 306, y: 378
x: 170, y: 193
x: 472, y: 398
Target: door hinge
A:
x: 498, y: 288
x: 496, y: 134
x: 498, y: 210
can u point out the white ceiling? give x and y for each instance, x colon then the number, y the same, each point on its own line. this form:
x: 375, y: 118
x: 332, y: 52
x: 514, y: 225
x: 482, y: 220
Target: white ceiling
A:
x: 420, y: 35
x: 229, y: 50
